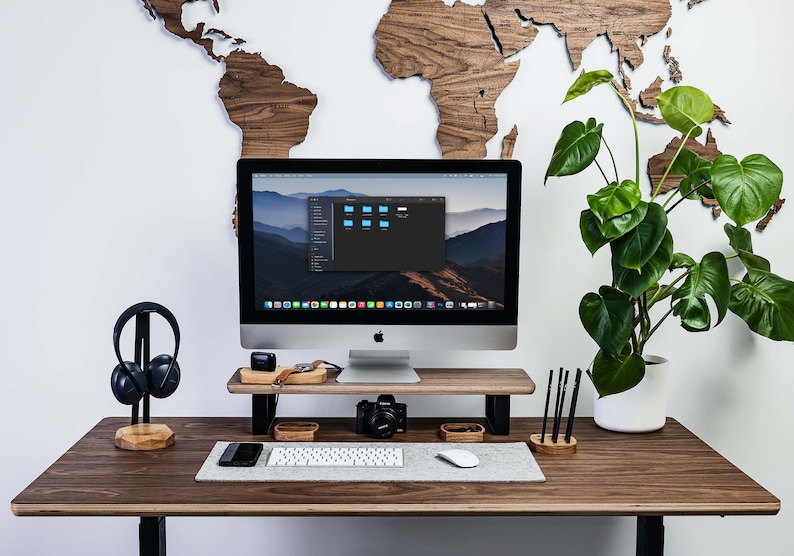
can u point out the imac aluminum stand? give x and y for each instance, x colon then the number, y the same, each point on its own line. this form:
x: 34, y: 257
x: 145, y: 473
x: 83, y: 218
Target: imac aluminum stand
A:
x: 377, y: 366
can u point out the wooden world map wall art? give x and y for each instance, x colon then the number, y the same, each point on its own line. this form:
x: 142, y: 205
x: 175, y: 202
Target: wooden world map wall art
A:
x: 462, y: 50
x: 272, y: 113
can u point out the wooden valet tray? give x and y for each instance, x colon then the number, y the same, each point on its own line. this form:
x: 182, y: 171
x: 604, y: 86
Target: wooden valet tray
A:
x: 249, y: 376
x: 449, y: 433
x: 305, y: 431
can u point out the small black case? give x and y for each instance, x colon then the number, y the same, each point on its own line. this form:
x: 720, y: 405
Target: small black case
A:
x: 263, y: 361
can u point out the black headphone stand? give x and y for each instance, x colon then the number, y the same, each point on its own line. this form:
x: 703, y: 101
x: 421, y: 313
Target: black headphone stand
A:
x: 143, y: 436
x: 142, y: 358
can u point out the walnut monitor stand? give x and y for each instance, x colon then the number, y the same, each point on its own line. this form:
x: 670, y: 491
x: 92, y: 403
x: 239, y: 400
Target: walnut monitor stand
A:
x: 496, y: 384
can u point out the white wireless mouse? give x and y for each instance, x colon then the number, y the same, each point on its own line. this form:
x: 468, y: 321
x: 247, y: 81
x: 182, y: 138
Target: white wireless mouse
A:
x: 461, y: 458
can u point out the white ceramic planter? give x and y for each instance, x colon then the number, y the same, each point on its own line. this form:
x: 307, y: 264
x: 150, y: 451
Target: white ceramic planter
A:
x: 641, y: 409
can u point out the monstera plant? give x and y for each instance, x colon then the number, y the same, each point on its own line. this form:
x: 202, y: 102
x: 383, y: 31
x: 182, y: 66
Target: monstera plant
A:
x: 623, y: 315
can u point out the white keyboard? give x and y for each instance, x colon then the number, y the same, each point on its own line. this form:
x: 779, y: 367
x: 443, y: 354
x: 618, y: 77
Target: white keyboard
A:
x: 325, y: 456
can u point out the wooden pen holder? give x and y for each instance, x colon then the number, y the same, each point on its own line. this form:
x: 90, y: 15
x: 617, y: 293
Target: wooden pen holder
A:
x: 546, y: 446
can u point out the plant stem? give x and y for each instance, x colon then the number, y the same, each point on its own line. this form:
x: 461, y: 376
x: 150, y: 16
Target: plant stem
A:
x: 661, y: 292
x: 652, y: 330
x: 645, y: 321
x: 634, y: 342
x: 672, y: 161
x: 683, y: 197
x: 636, y: 134
x: 606, y: 179
x: 614, y: 164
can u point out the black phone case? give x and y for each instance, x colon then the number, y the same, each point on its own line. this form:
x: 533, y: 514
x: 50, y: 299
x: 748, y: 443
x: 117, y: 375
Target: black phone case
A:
x: 227, y: 459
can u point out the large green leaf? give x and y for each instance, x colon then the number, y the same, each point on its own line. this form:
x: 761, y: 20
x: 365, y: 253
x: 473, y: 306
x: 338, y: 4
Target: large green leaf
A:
x: 612, y: 376
x: 745, y: 190
x: 685, y: 108
x: 585, y: 82
x: 607, y: 317
x: 591, y: 233
x: 738, y: 238
x: 633, y: 282
x: 637, y: 246
x: 616, y: 227
x: 614, y: 200
x: 765, y: 302
x: 576, y: 148
x: 710, y: 277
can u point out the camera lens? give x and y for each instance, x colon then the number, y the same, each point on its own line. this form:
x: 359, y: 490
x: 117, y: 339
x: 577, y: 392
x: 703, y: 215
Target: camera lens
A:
x: 383, y: 423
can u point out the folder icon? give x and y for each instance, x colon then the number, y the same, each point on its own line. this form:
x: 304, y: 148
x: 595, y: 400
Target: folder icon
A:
x: 383, y: 208
x: 366, y: 223
x: 347, y: 223
x: 366, y: 208
x: 384, y: 223
x: 348, y: 208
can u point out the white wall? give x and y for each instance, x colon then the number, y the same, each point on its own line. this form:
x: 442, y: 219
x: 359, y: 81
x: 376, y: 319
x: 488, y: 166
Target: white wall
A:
x: 117, y: 171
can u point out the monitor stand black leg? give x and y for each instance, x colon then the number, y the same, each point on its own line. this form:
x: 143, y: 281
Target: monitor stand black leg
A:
x: 497, y: 412
x: 151, y: 536
x: 263, y: 412
x: 650, y: 535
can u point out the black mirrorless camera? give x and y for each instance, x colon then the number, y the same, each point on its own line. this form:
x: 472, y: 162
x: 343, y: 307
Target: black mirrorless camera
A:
x: 381, y: 418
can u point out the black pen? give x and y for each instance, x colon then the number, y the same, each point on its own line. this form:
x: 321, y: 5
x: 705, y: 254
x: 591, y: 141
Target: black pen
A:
x: 559, y: 412
x: 556, y: 406
x: 546, y: 410
x: 572, y: 412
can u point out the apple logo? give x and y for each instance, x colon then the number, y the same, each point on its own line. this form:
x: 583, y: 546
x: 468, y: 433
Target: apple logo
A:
x: 378, y: 337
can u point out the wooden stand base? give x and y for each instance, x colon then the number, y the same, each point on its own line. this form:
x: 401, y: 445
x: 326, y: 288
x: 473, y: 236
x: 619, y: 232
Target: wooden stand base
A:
x: 546, y: 446
x: 144, y: 436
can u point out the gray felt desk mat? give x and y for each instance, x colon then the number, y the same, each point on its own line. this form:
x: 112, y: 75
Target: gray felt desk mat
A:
x: 499, y: 462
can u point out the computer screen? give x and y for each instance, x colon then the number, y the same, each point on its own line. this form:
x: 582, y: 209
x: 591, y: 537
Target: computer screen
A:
x: 379, y: 257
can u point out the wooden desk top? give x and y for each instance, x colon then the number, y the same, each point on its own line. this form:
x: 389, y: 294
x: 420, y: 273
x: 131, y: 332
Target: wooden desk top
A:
x: 669, y: 472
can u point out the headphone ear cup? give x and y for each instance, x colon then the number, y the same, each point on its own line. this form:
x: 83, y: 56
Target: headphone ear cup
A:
x: 156, y: 373
x: 128, y: 389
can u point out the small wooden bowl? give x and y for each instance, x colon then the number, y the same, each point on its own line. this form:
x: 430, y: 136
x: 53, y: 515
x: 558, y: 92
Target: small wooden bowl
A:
x: 474, y: 433
x: 300, y: 431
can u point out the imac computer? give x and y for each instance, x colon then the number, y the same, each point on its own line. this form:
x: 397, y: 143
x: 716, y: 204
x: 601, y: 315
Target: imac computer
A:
x: 379, y: 257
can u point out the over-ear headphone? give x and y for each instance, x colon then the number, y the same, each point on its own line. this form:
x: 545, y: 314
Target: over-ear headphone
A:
x: 161, y: 376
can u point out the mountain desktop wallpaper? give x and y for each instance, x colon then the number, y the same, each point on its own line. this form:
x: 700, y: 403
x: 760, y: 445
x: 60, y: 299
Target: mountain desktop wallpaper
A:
x: 474, y: 269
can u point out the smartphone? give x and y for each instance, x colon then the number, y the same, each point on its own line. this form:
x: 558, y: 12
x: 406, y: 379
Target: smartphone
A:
x: 241, y: 454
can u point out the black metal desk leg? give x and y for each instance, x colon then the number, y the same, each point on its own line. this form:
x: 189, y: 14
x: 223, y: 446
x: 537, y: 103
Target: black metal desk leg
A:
x: 263, y: 412
x: 497, y: 412
x: 650, y: 536
x: 151, y: 536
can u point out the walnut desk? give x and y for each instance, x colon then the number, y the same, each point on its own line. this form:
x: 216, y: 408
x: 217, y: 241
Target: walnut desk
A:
x: 669, y: 472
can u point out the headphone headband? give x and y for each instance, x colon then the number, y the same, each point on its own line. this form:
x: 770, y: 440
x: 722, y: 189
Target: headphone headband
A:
x: 145, y: 307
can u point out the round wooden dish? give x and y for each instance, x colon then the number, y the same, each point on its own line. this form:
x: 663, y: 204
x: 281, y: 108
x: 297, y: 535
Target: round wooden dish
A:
x: 301, y: 431
x: 472, y: 432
